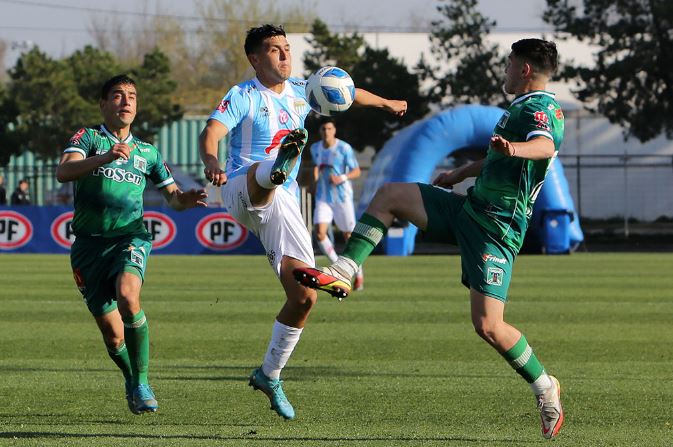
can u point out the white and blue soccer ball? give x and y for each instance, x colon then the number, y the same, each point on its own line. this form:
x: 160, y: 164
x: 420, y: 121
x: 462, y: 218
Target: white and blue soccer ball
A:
x: 330, y: 90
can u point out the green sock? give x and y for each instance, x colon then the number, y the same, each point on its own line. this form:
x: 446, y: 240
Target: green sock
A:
x: 137, y: 337
x: 523, y: 360
x: 366, y: 235
x: 120, y: 356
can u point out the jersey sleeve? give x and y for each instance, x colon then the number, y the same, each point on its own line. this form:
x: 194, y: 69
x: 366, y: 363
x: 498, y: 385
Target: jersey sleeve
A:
x: 314, y: 153
x: 80, y: 143
x: 232, y: 109
x: 160, y: 174
x: 350, y: 160
x: 536, y: 120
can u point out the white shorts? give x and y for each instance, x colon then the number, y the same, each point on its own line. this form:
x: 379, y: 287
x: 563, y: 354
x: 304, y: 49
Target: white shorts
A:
x: 278, y: 225
x: 343, y: 214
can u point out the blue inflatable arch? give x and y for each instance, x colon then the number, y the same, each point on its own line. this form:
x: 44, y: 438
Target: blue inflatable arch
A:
x: 413, y: 154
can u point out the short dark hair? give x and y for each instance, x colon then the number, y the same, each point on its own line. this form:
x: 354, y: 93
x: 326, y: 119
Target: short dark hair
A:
x: 115, y: 80
x: 327, y: 119
x: 541, y: 54
x: 255, y: 36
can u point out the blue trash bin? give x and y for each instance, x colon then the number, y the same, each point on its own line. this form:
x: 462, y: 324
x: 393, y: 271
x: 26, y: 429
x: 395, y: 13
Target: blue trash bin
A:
x: 556, y: 231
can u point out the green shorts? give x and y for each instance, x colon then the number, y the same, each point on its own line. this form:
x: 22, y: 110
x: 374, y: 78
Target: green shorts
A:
x: 97, y: 261
x: 486, y: 262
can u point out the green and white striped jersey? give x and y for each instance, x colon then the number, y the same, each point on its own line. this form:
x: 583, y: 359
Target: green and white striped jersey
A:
x: 501, y: 201
x: 109, y: 200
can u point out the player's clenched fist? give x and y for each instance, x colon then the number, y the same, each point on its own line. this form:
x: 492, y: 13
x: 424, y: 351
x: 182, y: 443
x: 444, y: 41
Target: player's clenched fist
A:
x: 119, y: 150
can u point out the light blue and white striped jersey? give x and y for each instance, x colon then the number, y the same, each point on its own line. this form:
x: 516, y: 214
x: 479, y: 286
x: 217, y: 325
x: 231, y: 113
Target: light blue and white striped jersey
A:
x: 337, y: 160
x: 257, y: 120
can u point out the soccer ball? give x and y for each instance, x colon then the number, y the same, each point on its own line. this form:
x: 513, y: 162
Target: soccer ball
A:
x: 330, y: 90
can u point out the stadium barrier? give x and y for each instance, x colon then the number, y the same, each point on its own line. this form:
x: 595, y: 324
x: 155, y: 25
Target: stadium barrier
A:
x: 38, y: 229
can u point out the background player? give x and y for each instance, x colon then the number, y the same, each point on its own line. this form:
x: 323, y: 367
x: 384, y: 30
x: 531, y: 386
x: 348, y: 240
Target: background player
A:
x: 265, y: 116
x: 489, y: 223
x: 109, y: 256
x: 335, y: 167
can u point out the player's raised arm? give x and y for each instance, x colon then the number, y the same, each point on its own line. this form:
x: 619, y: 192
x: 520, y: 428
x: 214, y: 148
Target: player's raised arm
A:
x: 73, y: 165
x: 368, y: 99
x: 208, y: 143
x: 538, y: 148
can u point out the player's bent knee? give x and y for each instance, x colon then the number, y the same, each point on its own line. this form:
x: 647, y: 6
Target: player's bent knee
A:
x: 485, y: 329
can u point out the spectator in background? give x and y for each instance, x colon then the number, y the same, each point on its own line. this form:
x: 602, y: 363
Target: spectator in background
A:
x: 21, y: 196
x: 3, y: 191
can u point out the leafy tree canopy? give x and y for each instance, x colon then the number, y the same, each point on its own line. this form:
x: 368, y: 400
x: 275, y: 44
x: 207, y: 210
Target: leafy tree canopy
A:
x: 631, y: 82
x: 373, y: 70
x: 47, y: 100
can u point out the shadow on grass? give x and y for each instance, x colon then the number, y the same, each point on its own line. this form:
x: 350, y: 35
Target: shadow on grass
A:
x: 252, y: 437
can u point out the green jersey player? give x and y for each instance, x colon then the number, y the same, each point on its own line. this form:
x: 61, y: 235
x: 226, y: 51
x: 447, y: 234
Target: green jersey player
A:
x: 110, y: 168
x: 488, y: 224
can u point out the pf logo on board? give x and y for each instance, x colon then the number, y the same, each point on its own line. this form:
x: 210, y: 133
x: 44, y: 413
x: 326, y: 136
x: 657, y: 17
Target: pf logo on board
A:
x: 221, y: 232
x: 161, y: 228
x: 15, y: 230
x: 61, y: 230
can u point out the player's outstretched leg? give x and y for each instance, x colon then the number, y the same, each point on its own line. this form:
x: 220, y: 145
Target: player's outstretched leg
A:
x: 551, y: 411
x: 273, y: 388
x: 290, y: 148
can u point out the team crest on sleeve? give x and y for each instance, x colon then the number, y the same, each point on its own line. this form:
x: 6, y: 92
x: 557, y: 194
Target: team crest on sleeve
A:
x: 502, y: 122
x: 224, y: 104
x: 541, y: 120
x: 78, y: 136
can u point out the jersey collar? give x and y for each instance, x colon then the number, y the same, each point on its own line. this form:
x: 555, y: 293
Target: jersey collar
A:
x: 533, y: 93
x: 113, y: 138
x: 261, y: 87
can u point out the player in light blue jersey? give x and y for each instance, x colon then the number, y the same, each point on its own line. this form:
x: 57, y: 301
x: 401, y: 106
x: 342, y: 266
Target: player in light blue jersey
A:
x: 335, y: 167
x: 264, y: 118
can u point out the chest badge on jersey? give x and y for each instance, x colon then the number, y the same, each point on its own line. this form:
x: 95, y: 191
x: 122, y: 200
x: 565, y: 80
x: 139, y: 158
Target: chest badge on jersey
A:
x: 502, y: 122
x: 300, y: 106
x: 140, y: 163
x: 283, y: 116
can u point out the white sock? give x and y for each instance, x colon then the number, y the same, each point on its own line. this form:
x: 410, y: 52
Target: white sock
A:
x: 283, y: 340
x: 263, y: 174
x: 361, y: 271
x: 542, y: 384
x: 348, y: 266
x: 328, y: 249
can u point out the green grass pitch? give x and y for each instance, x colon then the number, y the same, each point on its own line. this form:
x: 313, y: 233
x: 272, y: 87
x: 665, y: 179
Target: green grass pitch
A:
x: 395, y: 365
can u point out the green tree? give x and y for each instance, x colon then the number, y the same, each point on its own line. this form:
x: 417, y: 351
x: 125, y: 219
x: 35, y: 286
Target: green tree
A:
x: 631, y: 82
x: 47, y: 100
x: 467, y: 69
x: 205, y: 51
x: 373, y: 70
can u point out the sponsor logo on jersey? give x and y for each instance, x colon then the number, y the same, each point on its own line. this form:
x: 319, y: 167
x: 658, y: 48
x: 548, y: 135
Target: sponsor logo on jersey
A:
x: 559, y: 114
x: 298, y: 83
x: 502, y: 122
x: 61, y: 230
x: 162, y: 229
x: 15, y: 230
x: 140, y: 163
x: 283, y: 116
x: 494, y: 276
x: 220, y: 232
x: 118, y: 175
x: 224, y: 104
x: 75, y: 139
x: 489, y: 257
x: 275, y: 142
x: 264, y: 111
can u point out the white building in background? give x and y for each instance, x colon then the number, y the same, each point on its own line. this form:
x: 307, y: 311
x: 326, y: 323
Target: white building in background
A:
x: 605, y: 187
